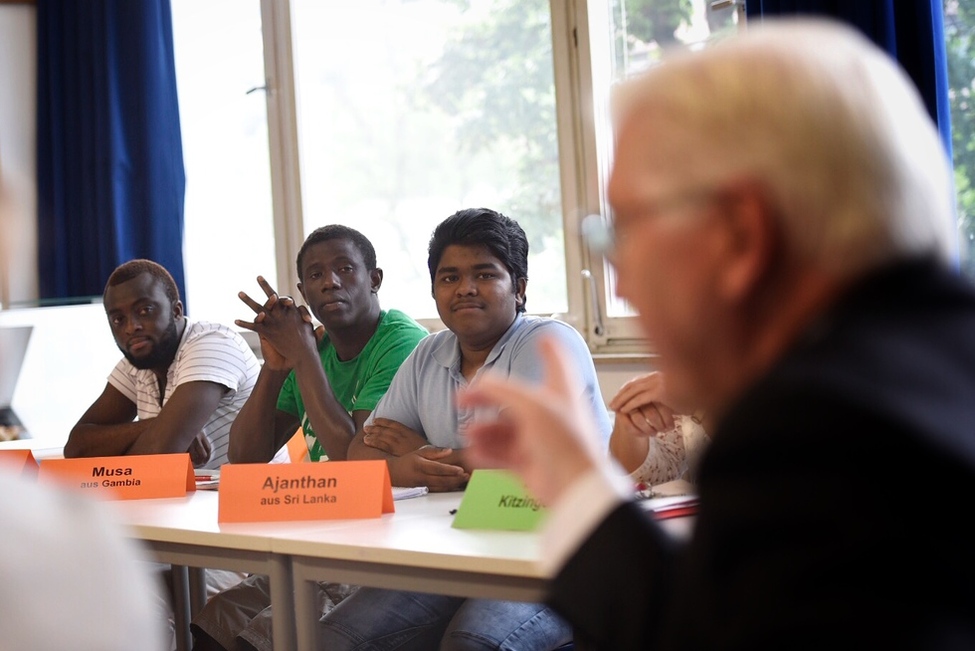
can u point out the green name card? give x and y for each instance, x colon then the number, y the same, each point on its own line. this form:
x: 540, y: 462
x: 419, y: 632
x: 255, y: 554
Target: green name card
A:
x: 496, y: 499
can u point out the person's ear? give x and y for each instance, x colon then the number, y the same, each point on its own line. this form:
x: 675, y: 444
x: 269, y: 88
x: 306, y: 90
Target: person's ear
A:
x: 752, y: 239
x: 178, y: 310
x: 376, y: 279
x: 520, y: 285
x: 301, y: 290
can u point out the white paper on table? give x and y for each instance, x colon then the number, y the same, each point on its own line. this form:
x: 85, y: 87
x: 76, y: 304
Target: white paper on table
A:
x: 406, y: 492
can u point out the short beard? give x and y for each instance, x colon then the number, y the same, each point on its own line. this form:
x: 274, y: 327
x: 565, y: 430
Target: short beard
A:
x: 162, y: 353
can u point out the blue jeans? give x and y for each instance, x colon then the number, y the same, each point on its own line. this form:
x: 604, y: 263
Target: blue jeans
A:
x: 388, y: 620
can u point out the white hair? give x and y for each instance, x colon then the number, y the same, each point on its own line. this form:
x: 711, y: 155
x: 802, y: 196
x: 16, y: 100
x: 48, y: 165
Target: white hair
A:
x: 827, y: 122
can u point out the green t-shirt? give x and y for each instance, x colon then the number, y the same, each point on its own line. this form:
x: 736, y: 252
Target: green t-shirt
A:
x: 360, y: 382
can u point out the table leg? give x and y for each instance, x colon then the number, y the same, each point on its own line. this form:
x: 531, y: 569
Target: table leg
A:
x: 197, y: 590
x: 307, y: 614
x: 283, y: 611
x: 181, y: 607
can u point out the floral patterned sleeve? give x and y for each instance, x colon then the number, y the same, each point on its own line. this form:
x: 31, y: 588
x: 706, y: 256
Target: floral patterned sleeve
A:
x: 672, y: 454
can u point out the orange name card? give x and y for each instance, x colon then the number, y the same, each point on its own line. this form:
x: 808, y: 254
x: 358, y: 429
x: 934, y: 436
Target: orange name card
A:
x: 259, y: 492
x: 126, y: 478
x: 22, y: 460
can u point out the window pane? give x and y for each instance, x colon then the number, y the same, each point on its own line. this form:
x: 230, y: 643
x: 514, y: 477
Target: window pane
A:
x: 410, y: 110
x: 960, y: 41
x: 639, y: 30
x: 229, y: 237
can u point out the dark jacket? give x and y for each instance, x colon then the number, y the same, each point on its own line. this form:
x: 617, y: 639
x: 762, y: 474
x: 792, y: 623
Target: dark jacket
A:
x: 836, y: 497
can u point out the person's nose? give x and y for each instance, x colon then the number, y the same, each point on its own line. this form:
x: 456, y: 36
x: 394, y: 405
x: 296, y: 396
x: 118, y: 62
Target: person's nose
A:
x: 466, y: 286
x: 330, y: 280
x: 132, y: 325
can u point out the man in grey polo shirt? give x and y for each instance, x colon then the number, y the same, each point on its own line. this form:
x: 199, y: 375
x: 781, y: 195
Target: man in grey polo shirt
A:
x: 478, y: 261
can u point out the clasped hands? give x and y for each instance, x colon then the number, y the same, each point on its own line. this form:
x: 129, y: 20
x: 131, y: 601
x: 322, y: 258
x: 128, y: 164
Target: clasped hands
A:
x: 285, y: 329
x: 414, y: 461
x: 640, y: 406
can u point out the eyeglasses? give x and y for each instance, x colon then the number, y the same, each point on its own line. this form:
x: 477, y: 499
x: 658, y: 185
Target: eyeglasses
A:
x: 602, y: 237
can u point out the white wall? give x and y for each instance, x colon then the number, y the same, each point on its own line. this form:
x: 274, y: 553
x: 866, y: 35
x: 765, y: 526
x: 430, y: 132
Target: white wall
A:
x: 18, y: 129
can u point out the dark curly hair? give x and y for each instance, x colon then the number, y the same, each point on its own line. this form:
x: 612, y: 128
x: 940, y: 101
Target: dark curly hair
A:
x: 338, y: 232
x: 485, y: 227
x: 129, y: 270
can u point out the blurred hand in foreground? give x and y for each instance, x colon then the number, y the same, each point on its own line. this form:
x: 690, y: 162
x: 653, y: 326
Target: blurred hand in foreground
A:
x: 543, y: 432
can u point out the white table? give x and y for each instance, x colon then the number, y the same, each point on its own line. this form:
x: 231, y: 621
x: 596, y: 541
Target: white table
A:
x: 39, y: 448
x: 415, y: 548
x: 184, y: 532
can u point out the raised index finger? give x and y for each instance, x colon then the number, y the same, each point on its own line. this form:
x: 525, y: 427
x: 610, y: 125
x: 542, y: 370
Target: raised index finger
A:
x: 266, y: 286
x: 250, y: 302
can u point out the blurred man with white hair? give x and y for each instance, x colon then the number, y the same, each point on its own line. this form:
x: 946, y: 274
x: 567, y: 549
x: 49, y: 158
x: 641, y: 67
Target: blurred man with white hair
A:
x: 783, y: 225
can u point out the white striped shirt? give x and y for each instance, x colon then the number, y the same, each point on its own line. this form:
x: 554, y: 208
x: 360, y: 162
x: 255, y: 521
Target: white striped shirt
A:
x: 208, y: 352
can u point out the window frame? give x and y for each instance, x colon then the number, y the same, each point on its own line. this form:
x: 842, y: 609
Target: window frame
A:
x: 581, y: 127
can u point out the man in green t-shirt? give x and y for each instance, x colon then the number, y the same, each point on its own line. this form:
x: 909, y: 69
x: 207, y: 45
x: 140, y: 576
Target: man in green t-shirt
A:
x: 327, y: 382
x: 327, y: 385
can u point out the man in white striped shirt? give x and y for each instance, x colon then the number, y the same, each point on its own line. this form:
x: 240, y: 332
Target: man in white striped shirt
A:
x: 180, y: 384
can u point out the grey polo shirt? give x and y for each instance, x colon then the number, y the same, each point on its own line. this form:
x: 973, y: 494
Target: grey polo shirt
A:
x: 423, y: 391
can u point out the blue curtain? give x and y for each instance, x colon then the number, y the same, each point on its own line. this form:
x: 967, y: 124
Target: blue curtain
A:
x: 911, y: 31
x: 110, y: 172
